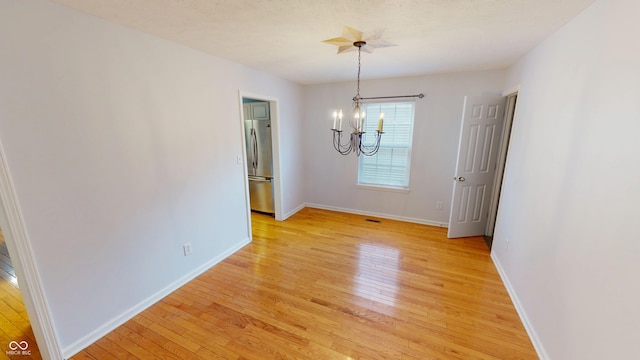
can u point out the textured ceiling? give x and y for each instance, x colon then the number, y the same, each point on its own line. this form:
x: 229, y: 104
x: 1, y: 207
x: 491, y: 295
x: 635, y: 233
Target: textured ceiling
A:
x: 284, y: 37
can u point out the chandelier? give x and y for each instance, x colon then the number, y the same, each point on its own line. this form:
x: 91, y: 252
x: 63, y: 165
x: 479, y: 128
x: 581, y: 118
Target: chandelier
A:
x: 356, y: 121
x: 351, y: 40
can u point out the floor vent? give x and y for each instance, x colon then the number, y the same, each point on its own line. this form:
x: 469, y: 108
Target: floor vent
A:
x: 373, y: 220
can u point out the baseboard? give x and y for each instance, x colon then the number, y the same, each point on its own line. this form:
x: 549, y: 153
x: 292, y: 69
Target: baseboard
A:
x: 380, y: 215
x: 292, y: 212
x: 537, y: 344
x: 95, y: 335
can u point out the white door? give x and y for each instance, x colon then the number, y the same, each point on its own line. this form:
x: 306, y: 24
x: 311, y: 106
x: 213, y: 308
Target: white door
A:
x: 482, y: 121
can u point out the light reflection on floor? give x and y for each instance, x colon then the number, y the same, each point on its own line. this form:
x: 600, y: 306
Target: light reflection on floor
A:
x: 7, y: 272
x: 376, y: 278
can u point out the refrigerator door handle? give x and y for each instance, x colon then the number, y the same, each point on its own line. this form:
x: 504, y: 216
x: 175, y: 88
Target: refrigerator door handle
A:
x: 255, y: 149
x: 252, y: 148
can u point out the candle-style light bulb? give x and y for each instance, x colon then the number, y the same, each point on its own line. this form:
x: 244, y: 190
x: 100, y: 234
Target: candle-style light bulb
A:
x: 380, y: 122
x: 340, y: 120
x: 335, y: 118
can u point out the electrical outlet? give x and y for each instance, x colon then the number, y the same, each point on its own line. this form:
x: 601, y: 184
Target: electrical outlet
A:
x: 186, y: 248
x: 439, y: 205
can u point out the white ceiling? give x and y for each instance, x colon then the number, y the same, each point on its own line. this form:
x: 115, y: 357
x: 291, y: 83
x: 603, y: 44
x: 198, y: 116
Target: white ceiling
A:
x: 284, y: 37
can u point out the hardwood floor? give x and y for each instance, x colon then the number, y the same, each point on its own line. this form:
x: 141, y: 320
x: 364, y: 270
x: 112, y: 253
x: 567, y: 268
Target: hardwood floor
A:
x: 14, y: 321
x: 6, y: 268
x: 327, y: 285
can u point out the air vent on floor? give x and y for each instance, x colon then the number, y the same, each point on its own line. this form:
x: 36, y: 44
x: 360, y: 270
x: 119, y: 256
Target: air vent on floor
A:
x: 373, y: 220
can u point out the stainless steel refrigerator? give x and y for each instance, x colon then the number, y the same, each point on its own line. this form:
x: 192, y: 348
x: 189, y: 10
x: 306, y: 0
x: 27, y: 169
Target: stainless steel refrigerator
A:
x: 260, y: 164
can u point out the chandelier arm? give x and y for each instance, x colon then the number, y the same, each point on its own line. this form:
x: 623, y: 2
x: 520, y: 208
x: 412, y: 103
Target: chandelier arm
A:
x: 372, y: 149
x: 375, y: 142
x: 343, y: 149
x: 357, y: 142
x: 336, y: 143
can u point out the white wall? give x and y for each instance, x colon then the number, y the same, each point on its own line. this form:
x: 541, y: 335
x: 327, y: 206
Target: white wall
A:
x: 122, y: 147
x: 570, y: 196
x: 332, y: 177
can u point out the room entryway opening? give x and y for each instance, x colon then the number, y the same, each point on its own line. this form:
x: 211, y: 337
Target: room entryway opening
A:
x: 26, y: 326
x: 259, y: 154
x: 501, y: 162
x: 16, y: 334
x: 259, y: 119
x: 482, y: 155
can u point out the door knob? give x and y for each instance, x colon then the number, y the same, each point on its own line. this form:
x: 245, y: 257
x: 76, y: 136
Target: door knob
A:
x: 461, y: 179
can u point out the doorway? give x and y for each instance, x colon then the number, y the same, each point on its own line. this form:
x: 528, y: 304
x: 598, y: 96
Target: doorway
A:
x: 259, y: 153
x: 512, y: 99
x: 480, y: 138
x: 35, y: 336
x: 16, y: 334
x: 482, y: 153
x: 243, y: 159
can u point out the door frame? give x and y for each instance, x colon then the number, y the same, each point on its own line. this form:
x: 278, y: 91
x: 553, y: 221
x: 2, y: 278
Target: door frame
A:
x: 275, y: 144
x: 23, y: 260
x: 509, y: 116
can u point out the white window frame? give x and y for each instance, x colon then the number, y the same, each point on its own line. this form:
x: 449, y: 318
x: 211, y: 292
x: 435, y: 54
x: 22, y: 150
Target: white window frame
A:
x: 371, y: 123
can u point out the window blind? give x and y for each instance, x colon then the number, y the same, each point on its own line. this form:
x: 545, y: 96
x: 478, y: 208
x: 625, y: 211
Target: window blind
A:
x: 391, y: 165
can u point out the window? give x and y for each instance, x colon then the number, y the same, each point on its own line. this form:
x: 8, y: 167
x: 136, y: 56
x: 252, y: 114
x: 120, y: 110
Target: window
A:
x: 390, y: 166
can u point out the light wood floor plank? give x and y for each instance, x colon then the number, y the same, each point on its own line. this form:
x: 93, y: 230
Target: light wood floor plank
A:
x: 327, y: 285
x: 14, y: 321
x: 98, y: 353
